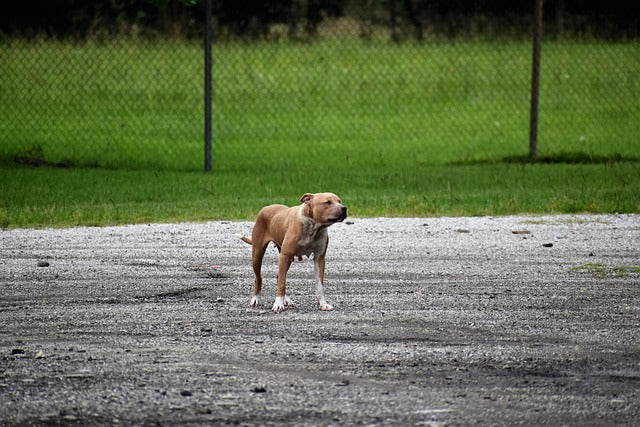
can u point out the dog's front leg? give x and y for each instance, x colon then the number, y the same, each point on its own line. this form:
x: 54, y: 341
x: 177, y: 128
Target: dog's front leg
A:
x: 282, y: 300
x: 318, y: 267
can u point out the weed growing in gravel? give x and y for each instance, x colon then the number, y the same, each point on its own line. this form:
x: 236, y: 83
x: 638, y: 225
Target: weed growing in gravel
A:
x: 601, y: 271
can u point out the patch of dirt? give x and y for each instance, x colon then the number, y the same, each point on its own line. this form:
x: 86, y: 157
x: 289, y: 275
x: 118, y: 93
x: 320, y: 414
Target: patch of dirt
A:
x: 504, y: 323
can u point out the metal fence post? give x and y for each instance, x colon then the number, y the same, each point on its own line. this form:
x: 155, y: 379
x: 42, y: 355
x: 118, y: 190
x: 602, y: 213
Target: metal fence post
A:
x: 207, y: 87
x: 535, y: 81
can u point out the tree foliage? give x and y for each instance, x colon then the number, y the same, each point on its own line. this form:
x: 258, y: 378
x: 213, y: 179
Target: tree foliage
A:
x: 253, y: 19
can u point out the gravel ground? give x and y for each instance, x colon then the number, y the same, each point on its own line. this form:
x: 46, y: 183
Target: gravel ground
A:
x: 438, y: 321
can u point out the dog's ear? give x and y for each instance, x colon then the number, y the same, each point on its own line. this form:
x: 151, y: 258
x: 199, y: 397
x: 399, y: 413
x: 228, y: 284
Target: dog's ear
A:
x: 306, y: 198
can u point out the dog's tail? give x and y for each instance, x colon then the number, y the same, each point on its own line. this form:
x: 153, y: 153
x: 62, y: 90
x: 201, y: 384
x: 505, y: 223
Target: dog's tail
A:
x: 246, y: 239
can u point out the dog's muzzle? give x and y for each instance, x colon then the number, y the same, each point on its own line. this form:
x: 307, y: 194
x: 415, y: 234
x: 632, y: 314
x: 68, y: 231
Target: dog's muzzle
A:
x: 341, y: 215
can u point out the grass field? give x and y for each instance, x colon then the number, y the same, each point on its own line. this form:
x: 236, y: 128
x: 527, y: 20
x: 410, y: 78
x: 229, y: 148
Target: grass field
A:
x: 66, y: 197
x: 403, y: 129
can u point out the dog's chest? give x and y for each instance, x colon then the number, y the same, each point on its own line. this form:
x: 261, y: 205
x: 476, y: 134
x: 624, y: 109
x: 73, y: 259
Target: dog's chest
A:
x: 313, y: 240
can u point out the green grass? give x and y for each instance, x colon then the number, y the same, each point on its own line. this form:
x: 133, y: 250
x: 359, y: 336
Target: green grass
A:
x: 428, y: 104
x: 401, y: 130
x: 601, y: 271
x: 122, y: 104
x: 66, y: 197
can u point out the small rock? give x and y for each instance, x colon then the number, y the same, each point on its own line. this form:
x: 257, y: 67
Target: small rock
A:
x: 46, y: 418
x: 520, y: 232
x: 43, y: 264
x: 186, y: 393
x: 259, y: 390
x: 40, y: 355
x: 547, y: 245
x: 17, y: 351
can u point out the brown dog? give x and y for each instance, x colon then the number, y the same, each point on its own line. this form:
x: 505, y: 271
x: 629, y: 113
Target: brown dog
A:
x: 297, y: 231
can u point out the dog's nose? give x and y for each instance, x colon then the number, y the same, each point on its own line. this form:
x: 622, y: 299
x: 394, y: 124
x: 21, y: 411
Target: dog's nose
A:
x: 344, y: 211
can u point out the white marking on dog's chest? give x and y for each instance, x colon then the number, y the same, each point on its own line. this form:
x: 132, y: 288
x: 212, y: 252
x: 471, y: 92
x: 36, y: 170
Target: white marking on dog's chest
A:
x: 314, y: 236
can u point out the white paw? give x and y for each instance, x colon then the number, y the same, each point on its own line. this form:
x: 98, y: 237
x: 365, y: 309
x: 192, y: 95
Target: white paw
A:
x: 255, y: 300
x: 278, y: 306
x: 326, y: 307
x: 288, y: 302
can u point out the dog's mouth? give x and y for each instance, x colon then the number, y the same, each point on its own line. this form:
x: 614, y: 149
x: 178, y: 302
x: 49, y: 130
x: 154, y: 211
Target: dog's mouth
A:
x: 340, y: 217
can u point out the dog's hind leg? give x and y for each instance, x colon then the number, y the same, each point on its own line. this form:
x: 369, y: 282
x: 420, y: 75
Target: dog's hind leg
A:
x: 257, y: 256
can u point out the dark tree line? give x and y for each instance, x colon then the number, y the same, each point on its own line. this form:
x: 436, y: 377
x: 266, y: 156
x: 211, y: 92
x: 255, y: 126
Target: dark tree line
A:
x: 252, y: 19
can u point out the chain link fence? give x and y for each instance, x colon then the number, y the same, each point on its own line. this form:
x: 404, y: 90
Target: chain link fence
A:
x: 372, y: 84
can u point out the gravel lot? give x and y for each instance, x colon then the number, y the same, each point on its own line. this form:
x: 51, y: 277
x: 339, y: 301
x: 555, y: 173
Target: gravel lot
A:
x: 438, y: 321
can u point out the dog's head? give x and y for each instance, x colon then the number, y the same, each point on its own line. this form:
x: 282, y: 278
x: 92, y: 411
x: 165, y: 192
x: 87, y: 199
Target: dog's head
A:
x: 324, y: 208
